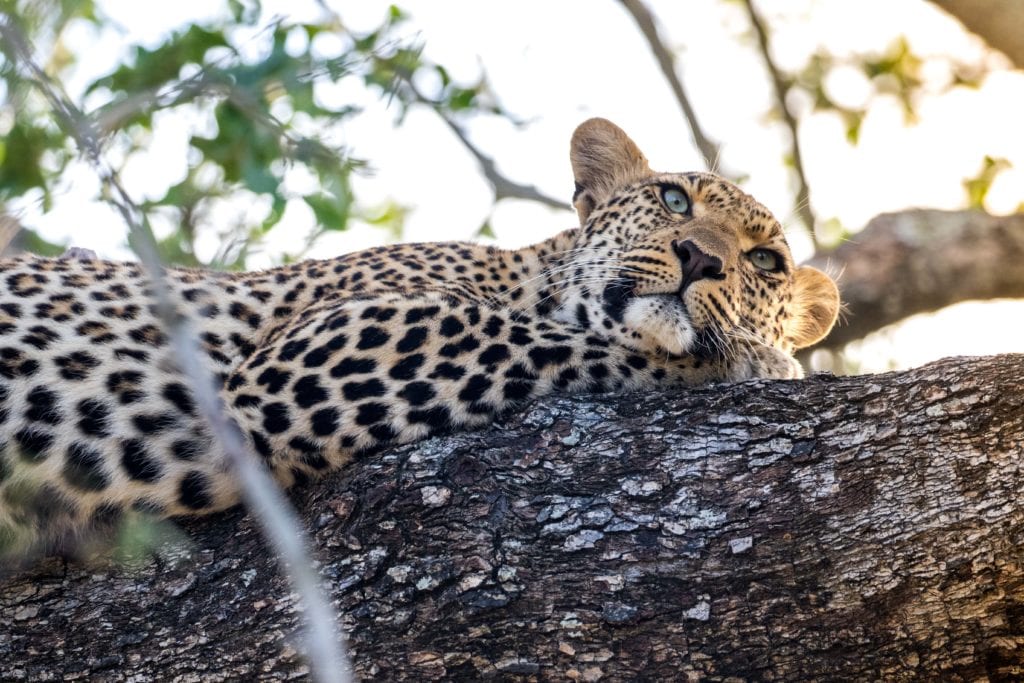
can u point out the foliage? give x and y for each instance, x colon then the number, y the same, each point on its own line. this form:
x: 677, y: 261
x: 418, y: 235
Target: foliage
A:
x: 895, y: 72
x: 253, y: 88
x: 260, y: 120
x: 977, y: 187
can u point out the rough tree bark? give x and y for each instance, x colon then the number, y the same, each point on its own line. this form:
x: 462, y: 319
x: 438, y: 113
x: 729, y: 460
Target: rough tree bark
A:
x: 918, y: 261
x: 857, y: 528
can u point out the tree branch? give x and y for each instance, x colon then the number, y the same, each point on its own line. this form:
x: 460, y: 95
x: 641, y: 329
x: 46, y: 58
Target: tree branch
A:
x: 666, y: 62
x: 857, y: 528
x: 9, y: 229
x: 780, y: 88
x: 918, y: 261
x: 504, y: 187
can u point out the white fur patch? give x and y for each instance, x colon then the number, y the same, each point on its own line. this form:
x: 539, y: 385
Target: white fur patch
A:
x: 662, y: 321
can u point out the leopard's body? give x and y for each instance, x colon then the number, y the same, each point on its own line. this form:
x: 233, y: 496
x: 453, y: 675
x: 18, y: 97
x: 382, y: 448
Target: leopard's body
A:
x: 322, y: 360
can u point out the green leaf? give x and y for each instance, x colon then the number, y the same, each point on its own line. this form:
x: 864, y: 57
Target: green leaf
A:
x: 277, y: 207
x: 245, y: 12
x: 151, y: 69
x: 831, y: 232
x: 461, y: 98
x: 259, y: 178
x: 443, y: 73
x: 853, y: 120
x: 396, y: 15
x: 21, y: 167
x: 390, y: 216
x: 331, y: 212
x: 977, y: 187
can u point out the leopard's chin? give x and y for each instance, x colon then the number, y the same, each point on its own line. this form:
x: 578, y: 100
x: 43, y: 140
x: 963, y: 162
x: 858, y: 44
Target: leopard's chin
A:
x: 662, y: 324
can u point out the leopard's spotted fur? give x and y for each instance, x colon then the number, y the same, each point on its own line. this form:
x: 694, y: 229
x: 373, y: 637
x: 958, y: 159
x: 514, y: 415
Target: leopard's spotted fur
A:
x: 325, y: 359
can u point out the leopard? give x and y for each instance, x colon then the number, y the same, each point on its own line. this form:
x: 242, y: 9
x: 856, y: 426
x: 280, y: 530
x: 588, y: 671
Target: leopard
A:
x: 670, y: 281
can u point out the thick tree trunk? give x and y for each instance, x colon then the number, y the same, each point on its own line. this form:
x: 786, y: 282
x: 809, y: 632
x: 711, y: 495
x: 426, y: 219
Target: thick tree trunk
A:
x: 918, y: 261
x: 863, y: 528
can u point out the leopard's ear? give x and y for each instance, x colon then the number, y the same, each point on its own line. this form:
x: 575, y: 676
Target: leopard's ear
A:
x: 603, y: 160
x: 814, y: 309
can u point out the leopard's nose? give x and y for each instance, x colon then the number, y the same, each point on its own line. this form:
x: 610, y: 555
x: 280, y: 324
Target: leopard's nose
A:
x: 696, y: 264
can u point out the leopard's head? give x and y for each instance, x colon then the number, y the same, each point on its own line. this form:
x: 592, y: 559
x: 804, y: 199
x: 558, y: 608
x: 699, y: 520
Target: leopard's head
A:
x: 681, y: 263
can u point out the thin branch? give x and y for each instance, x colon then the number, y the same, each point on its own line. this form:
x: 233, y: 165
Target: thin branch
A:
x: 263, y: 497
x: 666, y: 61
x: 9, y: 229
x: 779, y: 85
x: 922, y: 260
x: 206, y: 83
x: 504, y: 188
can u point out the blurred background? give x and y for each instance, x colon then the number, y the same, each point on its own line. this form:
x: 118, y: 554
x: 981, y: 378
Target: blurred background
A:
x: 884, y: 134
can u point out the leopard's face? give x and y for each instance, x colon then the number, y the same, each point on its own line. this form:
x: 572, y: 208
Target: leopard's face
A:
x: 683, y: 264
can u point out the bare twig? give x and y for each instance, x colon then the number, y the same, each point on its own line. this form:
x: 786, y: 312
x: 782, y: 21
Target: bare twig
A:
x: 263, y: 497
x: 779, y: 85
x: 710, y: 150
x: 504, y: 188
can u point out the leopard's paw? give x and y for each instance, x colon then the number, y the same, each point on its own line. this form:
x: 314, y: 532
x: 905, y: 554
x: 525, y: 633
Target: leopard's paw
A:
x: 766, y: 362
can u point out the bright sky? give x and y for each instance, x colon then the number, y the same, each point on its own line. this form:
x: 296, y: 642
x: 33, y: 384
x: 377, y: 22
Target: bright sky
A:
x: 554, y: 64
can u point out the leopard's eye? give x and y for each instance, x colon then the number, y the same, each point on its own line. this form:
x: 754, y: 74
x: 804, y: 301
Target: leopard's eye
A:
x: 765, y: 259
x: 675, y: 200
